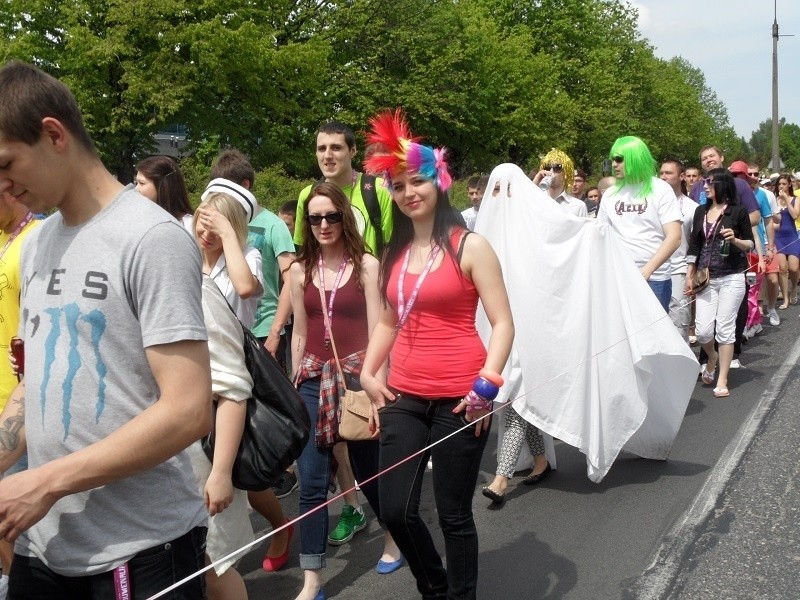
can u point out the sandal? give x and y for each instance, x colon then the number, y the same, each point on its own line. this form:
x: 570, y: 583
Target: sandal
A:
x: 721, y: 392
x: 708, y: 377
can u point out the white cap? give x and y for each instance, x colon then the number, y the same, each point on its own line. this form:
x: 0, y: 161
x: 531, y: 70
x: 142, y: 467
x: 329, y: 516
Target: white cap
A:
x: 235, y: 191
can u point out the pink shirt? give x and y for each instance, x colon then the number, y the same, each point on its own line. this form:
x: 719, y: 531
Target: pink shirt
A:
x: 437, y: 353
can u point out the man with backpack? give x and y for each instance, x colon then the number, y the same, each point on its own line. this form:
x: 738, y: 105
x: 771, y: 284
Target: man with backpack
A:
x: 371, y: 201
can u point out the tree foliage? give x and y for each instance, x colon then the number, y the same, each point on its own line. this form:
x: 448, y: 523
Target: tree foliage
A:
x: 760, y: 144
x: 493, y: 80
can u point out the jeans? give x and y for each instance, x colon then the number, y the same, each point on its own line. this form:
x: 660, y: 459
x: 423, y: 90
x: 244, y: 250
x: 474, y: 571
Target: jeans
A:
x: 663, y: 291
x: 150, y: 571
x: 314, y: 469
x: 407, y: 426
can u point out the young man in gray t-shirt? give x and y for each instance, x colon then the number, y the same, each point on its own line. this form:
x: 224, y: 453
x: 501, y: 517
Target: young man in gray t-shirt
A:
x: 117, y: 380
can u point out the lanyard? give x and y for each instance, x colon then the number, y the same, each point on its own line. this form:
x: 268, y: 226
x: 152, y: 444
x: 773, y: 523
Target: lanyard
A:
x: 711, y: 230
x: 403, y: 309
x: 28, y: 218
x: 339, y: 275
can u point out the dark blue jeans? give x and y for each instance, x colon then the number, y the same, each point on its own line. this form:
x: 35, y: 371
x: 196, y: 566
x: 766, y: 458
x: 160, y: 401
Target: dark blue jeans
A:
x: 407, y: 426
x: 150, y: 571
x: 663, y: 291
x: 314, y: 469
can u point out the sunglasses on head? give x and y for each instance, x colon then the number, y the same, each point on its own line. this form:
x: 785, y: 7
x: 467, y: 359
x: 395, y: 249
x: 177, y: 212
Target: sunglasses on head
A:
x: 331, y: 218
x: 554, y: 167
x: 618, y: 158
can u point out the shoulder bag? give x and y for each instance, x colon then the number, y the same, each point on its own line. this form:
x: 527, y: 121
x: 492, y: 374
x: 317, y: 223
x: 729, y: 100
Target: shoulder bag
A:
x: 702, y: 276
x: 277, y: 425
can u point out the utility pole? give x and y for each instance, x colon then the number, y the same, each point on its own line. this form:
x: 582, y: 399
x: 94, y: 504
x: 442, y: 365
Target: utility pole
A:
x: 775, y: 164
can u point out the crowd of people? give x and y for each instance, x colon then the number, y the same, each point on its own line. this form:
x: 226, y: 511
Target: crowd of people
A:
x: 129, y: 305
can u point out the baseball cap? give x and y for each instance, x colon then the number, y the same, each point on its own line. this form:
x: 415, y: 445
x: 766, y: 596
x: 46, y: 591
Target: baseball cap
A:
x: 739, y: 167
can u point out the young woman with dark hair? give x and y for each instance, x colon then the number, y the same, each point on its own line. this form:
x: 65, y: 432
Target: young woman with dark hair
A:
x: 159, y: 179
x: 333, y: 265
x: 441, y: 377
x: 721, y: 238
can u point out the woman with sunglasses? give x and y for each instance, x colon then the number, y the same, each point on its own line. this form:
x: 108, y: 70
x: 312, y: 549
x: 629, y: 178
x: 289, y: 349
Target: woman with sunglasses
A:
x: 721, y: 238
x: 787, y: 242
x: 333, y: 259
x: 441, y: 377
x: 643, y: 212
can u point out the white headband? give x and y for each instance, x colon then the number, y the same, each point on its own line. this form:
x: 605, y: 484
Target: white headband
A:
x: 235, y: 191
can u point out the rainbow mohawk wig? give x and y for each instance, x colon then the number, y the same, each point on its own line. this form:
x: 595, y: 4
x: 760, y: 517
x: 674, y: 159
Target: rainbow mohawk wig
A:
x: 394, y: 150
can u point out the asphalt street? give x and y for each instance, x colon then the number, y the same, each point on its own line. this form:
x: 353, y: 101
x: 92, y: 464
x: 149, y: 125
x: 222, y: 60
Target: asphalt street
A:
x: 716, y: 520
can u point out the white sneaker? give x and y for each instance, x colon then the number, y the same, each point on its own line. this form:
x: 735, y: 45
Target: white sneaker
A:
x: 749, y: 333
x: 3, y: 587
x: 774, y: 319
x: 757, y: 328
x: 735, y: 364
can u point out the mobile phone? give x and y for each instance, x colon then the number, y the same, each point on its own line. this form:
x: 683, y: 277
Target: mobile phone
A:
x: 18, y: 352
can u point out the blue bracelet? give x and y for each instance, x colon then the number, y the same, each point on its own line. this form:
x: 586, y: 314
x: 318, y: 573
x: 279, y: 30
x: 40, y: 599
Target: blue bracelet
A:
x: 485, y: 388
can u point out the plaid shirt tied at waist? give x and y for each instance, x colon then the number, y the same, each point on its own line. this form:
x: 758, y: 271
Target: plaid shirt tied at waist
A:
x: 330, y: 390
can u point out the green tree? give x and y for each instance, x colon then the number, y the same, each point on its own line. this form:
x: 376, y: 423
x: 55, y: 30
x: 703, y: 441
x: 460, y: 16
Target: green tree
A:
x: 788, y: 144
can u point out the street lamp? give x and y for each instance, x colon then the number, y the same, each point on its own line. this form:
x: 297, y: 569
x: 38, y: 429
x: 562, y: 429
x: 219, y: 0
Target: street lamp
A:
x: 775, y: 164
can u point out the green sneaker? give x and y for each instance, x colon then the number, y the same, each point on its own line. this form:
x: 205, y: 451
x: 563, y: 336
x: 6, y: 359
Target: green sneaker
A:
x: 351, y: 520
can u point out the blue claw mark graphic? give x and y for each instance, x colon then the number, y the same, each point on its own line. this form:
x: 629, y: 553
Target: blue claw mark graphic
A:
x: 71, y: 314
x: 49, y: 353
x: 98, y: 322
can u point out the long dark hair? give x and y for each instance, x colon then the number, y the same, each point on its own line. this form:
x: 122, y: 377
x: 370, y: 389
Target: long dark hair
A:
x: 353, y: 242
x: 171, y: 194
x: 724, y: 188
x: 788, y: 179
x: 445, y: 219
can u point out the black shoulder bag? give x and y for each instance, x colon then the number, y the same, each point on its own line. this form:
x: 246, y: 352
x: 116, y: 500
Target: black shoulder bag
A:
x: 276, y: 428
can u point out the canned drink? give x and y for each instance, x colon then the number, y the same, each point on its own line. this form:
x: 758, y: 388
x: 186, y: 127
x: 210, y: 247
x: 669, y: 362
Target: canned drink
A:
x: 544, y: 184
x: 18, y: 352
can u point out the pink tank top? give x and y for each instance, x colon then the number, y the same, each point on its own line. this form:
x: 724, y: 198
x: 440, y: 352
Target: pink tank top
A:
x: 437, y: 353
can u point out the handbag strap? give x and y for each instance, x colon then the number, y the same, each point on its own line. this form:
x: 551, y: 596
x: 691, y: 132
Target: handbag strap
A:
x: 330, y: 331
x: 708, y: 237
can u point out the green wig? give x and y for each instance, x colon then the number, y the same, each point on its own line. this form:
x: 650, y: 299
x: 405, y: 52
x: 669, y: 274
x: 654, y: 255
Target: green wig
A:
x: 640, y: 166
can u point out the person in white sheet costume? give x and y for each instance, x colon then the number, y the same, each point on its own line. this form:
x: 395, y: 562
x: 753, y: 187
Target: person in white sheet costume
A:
x: 596, y: 362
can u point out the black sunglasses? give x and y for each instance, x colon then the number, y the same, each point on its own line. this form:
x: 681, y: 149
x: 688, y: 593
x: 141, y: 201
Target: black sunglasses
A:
x: 618, y: 158
x: 555, y: 167
x: 331, y: 218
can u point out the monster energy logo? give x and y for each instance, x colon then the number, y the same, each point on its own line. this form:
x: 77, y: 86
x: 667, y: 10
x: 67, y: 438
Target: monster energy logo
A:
x: 72, y: 316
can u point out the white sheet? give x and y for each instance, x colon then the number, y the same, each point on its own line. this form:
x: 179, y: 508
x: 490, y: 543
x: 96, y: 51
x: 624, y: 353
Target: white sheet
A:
x: 596, y: 361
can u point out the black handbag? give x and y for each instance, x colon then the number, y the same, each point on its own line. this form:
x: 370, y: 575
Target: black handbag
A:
x: 277, y: 425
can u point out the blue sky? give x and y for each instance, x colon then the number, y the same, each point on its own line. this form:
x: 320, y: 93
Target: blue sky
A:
x: 731, y: 42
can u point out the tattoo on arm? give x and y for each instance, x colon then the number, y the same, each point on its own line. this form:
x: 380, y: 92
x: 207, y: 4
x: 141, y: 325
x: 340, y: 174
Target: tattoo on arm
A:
x: 10, y: 428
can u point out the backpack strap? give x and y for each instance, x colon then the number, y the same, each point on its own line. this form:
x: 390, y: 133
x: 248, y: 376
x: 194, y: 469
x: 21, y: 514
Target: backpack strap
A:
x: 370, y: 196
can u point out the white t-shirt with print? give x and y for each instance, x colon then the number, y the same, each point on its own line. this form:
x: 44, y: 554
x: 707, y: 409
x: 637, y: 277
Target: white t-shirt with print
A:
x: 638, y: 222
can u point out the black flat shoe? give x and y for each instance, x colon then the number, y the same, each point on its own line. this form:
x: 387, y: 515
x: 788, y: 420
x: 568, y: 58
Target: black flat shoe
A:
x: 495, y: 497
x: 534, y: 479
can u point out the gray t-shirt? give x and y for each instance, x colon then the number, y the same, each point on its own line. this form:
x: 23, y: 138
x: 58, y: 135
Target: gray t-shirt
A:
x: 93, y: 297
